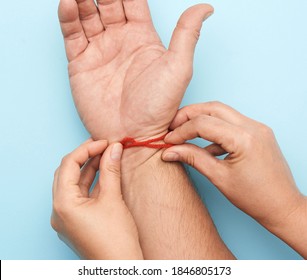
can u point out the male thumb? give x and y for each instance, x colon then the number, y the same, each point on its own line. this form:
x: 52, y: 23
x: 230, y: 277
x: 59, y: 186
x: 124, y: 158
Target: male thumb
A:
x: 187, y: 32
x: 110, y: 173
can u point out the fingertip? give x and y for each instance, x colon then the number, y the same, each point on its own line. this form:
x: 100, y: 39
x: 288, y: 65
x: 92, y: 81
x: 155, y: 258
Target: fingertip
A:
x: 168, y: 137
x: 177, y: 153
x: 175, y: 137
x: 137, y: 11
x: 99, y: 143
x: 117, y: 152
x: 170, y: 156
x: 205, y: 8
x: 67, y: 10
x: 89, y: 140
x: 95, y: 148
x: 110, y: 171
x: 111, y: 157
x: 207, y: 15
x: 196, y: 13
x: 173, y: 125
x: 104, y: 144
x: 61, y: 7
x: 209, y: 9
x: 180, y: 118
x: 186, y: 36
x: 103, y: 141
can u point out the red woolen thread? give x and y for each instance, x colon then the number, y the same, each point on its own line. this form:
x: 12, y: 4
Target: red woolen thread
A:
x: 132, y: 143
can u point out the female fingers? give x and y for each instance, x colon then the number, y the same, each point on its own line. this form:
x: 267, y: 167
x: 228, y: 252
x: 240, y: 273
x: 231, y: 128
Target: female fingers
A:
x: 69, y: 173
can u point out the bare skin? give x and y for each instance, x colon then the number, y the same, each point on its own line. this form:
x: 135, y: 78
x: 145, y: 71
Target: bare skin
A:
x: 126, y: 83
x: 254, y: 176
x: 97, y: 224
x: 120, y: 71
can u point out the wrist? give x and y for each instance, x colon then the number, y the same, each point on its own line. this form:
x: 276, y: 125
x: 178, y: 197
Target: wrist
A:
x: 297, y: 218
x: 148, y: 177
x: 135, y: 157
x: 292, y: 228
x: 292, y: 210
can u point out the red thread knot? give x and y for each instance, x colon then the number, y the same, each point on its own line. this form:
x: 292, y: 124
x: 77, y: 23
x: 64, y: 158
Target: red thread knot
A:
x: 129, y: 142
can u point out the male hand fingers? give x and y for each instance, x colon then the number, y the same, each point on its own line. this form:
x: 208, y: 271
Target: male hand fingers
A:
x: 137, y: 11
x: 110, y: 171
x: 90, y: 18
x: 111, y: 12
x: 74, y: 36
x: 187, y: 32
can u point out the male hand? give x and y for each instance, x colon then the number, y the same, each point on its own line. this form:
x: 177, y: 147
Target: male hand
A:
x: 254, y: 176
x: 124, y: 82
x: 97, y: 224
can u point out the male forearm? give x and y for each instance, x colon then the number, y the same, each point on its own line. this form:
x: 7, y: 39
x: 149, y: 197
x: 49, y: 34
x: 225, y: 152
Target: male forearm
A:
x: 172, y: 221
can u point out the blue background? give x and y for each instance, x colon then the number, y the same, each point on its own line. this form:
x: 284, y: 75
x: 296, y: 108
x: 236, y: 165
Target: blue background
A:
x: 252, y: 55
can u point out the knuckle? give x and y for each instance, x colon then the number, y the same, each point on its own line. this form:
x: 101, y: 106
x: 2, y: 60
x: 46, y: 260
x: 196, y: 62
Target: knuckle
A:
x: 111, y: 168
x: 196, y: 34
x: 215, y: 104
x: 59, y: 208
x: 62, y: 213
x: 54, y: 224
x: 249, y: 140
x: 185, y: 74
x: 56, y: 172
x: 65, y: 159
x: 194, y: 31
x: 234, y: 144
x: 188, y: 74
x: 197, y: 124
x: 180, y: 133
x: 199, y: 120
x: 190, y: 159
x: 258, y: 137
x: 216, y: 107
x: 266, y: 131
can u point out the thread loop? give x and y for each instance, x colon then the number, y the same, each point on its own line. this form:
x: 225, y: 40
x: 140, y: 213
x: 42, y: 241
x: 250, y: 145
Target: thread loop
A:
x: 129, y: 142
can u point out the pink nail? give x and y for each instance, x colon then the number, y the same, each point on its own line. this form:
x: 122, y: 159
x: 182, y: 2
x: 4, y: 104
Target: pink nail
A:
x: 117, y: 151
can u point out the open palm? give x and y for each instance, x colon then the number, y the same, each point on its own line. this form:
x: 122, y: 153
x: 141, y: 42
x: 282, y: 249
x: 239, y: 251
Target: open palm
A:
x: 124, y: 81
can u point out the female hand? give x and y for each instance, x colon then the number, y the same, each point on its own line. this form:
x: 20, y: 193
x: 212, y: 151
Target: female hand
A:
x: 254, y: 176
x: 96, y: 224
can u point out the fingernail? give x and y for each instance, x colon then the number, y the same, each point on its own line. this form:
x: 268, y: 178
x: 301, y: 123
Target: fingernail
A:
x: 117, y: 151
x: 168, y: 135
x: 171, y: 156
x: 208, y: 15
